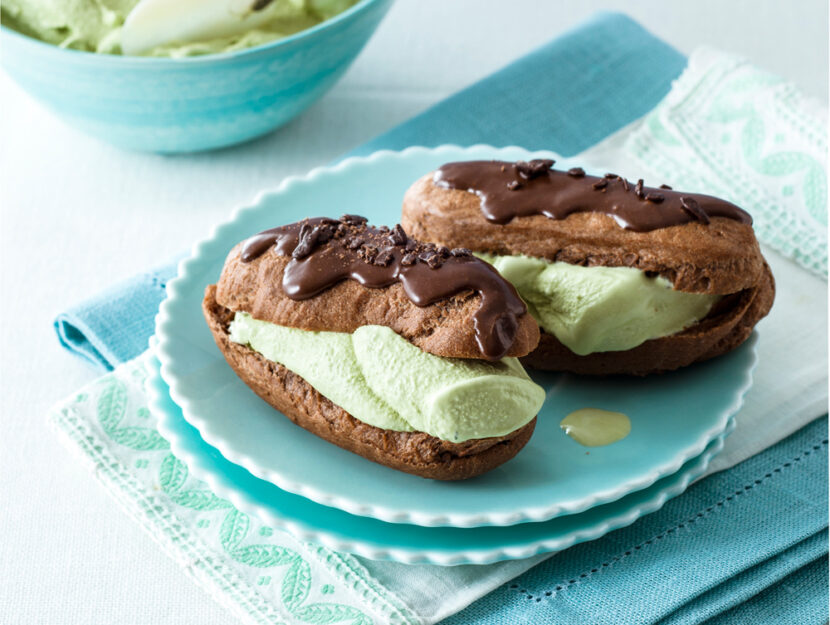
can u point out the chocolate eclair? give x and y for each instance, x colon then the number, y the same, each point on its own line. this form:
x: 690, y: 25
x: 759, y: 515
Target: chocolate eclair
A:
x: 402, y: 352
x: 622, y: 278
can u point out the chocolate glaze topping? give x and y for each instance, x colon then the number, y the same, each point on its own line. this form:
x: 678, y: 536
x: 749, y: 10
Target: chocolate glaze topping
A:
x: 521, y: 189
x: 325, y: 251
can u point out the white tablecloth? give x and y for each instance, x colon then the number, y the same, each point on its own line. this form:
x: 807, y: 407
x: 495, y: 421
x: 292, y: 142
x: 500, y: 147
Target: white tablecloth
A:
x: 78, y: 215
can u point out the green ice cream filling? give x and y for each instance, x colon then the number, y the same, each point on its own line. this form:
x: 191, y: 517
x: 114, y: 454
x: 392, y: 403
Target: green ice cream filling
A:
x: 95, y: 25
x: 382, y: 379
x: 600, y: 309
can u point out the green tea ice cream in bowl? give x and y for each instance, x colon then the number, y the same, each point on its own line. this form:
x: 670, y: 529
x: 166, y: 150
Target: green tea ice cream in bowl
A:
x: 182, y: 76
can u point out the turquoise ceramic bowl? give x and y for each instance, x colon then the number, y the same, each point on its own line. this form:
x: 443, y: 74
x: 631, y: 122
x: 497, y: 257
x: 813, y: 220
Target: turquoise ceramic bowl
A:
x: 191, y: 104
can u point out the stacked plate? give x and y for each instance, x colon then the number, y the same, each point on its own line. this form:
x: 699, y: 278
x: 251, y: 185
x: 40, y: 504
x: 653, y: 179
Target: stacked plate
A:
x: 553, y: 494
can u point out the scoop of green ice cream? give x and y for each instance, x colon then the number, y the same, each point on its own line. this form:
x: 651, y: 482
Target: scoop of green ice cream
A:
x: 194, y: 27
x: 382, y: 379
x: 172, y: 28
x: 600, y: 309
x: 326, y: 9
x: 91, y: 25
x: 452, y: 398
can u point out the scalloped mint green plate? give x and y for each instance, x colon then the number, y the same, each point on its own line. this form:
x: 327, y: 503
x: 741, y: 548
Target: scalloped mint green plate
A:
x: 411, y: 544
x: 674, y: 416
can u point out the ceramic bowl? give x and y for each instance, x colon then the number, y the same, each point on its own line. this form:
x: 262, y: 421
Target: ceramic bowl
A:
x: 191, y: 104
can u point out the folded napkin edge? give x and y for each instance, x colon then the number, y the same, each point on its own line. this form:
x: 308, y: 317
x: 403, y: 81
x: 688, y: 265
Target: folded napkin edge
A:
x: 80, y: 341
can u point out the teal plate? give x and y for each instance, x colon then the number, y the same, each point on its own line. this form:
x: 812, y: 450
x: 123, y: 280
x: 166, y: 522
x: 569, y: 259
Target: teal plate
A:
x: 400, y: 542
x: 674, y: 416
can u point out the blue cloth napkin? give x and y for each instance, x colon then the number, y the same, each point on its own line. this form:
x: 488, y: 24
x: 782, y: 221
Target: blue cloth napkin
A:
x: 115, y: 325
x: 746, y: 545
x: 565, y: 97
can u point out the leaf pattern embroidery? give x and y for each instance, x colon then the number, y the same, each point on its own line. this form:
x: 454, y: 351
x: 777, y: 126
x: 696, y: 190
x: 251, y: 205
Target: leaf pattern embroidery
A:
x: 728, y: 107
x: 234, y: 529
x: 111, y: 408
x: 296, y: 584
x: 172, y: 474
x: 737, y: 132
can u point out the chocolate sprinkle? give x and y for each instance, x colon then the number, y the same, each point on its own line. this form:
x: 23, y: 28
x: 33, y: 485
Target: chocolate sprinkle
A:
x: 534, y: 168
x: 691, y: 206
x: 354, y: 243
x: 655, y: 197
x: 384, y: 258
x: 360, y: 252
x: 309, y: 237
x: 398, y: 236
x: 600, y: 184
x: 353, y: 220
x: 576, y: 172
x: 368, y: 252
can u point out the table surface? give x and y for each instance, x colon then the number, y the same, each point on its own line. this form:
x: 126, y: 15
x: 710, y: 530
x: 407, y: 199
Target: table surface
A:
x: 78, y: 215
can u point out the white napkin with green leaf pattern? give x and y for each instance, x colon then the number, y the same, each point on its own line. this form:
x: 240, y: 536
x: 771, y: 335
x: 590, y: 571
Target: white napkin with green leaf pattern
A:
x: 732, y: 130
x: 261, y: 574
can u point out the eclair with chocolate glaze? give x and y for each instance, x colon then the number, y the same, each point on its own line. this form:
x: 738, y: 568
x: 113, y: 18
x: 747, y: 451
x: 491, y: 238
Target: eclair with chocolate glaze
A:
x: 622, y: 278
x: 402, y: 352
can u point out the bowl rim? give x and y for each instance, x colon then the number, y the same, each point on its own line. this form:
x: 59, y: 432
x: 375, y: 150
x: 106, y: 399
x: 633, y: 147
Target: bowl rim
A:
x: 360, y: 6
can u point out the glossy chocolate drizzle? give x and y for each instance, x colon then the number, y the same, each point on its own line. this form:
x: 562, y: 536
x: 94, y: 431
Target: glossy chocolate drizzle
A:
x: 521, y: 189
x: 327, y: 251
